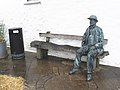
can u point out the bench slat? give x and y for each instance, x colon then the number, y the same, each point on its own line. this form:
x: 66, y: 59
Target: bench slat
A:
x: 52, y: 46
x: 105, y: 53
x: 65, y: 48
x: 61, y: 36
x: 64, y: 36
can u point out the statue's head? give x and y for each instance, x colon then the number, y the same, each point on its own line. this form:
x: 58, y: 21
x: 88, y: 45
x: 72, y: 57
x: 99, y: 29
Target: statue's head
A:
x: 93, y: 20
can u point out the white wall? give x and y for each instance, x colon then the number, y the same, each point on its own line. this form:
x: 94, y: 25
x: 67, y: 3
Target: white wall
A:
x: 65, y: 16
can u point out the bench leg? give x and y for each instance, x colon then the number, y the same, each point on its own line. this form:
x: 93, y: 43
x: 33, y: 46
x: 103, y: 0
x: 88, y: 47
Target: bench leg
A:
x: 41, y: 53
x: 45, y: 53
x: 94, y: 64
x: 97, y: 62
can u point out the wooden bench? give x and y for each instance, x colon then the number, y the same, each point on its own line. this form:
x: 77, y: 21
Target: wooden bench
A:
x: 43, y: 46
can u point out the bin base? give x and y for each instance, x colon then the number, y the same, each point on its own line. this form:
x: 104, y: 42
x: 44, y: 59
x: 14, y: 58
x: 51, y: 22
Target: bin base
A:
x: 18, y: 56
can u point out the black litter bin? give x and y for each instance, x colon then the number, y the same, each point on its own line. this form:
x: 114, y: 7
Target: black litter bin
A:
x: 16, y: 43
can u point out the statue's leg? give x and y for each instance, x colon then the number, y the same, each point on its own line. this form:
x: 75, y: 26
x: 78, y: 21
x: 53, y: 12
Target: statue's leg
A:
x: 90, y: 57
x: 77, y: 62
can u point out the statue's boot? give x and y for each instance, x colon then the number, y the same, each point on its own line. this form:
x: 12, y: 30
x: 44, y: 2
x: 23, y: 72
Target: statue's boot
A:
x: 74, y: 70
x: 89, y: 76
x: 76, y: 64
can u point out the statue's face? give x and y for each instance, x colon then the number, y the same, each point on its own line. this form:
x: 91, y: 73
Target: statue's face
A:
x: 92, y: 22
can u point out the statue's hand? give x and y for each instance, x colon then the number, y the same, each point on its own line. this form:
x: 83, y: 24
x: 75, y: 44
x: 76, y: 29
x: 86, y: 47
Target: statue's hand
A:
x: 92, y: 47
x: 85, y: 47
x: 99, y: 45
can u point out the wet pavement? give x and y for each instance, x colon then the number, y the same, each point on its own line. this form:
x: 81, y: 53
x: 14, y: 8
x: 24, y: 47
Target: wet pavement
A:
x: 52, y: 74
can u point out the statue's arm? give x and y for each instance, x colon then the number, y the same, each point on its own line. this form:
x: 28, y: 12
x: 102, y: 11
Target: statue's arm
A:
x: 100, y: 39
x: 84, y: 37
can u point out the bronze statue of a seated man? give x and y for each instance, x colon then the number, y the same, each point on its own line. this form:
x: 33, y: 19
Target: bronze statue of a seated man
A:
x: 92, y: 45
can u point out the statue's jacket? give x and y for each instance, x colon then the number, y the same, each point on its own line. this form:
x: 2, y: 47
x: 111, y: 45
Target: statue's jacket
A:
x: 93, y: 36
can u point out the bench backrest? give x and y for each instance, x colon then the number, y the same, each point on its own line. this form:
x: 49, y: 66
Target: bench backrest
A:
x: 49, y: 35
